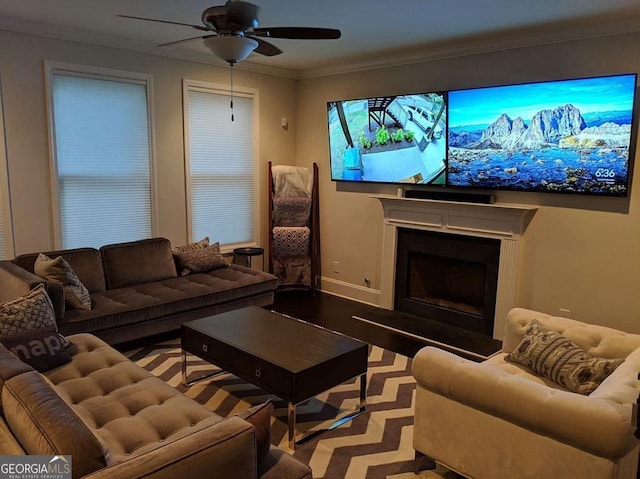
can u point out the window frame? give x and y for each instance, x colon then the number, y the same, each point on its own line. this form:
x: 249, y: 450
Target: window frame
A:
x: 98, y: 73
x: 222, y: 89
x: 5, y: 191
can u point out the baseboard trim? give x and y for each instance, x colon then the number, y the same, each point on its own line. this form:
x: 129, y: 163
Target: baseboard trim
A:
x: 350, y: 291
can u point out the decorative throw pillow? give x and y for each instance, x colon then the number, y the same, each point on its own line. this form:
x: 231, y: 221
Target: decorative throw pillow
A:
x: 203, y: 243
x: 41, y: 349
x: 553, y: 356
x: 76, y: 296
x: 259, y: 416
x: 27, y: 313
x: 200, y: 260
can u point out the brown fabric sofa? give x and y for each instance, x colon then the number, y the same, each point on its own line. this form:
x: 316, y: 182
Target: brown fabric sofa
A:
x: 136, y: 290
x: 116, y: 420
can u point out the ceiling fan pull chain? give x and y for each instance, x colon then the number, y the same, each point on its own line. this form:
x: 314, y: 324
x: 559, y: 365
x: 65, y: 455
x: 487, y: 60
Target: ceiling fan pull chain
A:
x: 231, y: 102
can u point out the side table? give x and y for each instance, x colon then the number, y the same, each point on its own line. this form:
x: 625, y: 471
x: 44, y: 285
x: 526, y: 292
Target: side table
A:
x: 242, y: 256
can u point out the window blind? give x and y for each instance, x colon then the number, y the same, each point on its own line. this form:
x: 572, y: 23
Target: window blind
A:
x: 221, y: 171
x: 103, y: 160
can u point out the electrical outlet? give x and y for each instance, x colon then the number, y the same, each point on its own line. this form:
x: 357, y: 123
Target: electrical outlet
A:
x: 565, y: 313
x: 336, y: 266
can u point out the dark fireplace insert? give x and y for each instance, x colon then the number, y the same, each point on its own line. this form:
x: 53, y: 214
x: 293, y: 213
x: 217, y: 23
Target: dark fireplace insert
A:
x: 448, y: 277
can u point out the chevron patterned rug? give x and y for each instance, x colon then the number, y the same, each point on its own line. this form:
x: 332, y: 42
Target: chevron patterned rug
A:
x: 376, y: 444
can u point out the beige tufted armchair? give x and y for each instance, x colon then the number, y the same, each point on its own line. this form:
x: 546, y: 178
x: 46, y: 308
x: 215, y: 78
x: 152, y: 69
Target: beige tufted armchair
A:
x: 498, y: 419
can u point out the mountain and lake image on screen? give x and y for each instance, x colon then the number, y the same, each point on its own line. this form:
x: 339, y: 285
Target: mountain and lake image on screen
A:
x: 391, y: 139
x: 558, y: 136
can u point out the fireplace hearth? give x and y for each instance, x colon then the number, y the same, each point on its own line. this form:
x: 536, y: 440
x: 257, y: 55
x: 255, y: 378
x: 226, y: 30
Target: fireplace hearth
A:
x: 448, y: 278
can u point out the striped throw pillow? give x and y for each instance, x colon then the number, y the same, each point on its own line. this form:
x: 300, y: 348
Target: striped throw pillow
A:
x: 553, y: 356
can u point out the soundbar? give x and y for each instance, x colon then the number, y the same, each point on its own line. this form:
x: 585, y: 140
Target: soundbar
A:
x: 486, y: 199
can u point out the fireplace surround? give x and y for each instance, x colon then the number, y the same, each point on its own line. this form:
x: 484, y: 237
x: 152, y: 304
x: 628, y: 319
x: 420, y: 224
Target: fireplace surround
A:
x: 505, y: 223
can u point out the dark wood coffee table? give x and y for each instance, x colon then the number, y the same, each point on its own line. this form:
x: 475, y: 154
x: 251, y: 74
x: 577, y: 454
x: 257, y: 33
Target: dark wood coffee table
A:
x: 287, y: 357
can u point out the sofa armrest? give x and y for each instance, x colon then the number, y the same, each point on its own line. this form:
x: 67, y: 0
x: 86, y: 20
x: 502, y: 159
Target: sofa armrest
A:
x: 599, y: 425
x: 16, y: 281
x: 224, y: 449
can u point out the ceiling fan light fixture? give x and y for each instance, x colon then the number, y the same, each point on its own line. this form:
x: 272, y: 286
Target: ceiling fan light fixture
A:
x: 230, y: 48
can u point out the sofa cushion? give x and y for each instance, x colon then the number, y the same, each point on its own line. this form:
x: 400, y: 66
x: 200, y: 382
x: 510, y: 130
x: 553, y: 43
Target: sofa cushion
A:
x: 45, y: 425
x: 555, y: 357
x: 27, y: 313
x: 86, y: 263
x: 41, y: 349
x: 144, y: 302
x: 131, y: 410
x: 137, y: 262
x: 76, y: 295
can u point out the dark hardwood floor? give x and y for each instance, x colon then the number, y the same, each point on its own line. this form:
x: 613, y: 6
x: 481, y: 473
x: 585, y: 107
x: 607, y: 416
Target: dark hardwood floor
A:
x: 397, y: 332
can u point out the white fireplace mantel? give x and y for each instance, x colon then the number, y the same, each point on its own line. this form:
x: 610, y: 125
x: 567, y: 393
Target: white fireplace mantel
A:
x: 506, y: 222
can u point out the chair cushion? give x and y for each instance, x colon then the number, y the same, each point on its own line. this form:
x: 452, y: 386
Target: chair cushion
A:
x: 553, y: 356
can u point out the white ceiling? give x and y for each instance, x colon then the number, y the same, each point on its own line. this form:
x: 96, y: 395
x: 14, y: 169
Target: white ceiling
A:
x: 373, y: 31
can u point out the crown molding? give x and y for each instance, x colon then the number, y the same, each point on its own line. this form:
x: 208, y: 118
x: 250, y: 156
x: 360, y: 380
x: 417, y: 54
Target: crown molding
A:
x: 493, y: 42
x: 92, y: 38
x: 506, y: 40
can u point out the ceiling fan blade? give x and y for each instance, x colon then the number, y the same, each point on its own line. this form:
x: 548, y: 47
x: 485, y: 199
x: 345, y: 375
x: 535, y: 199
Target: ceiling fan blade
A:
x: 265, y: 48
x: 197, y: 27
x: 298, y: 33
x: 185, y: 40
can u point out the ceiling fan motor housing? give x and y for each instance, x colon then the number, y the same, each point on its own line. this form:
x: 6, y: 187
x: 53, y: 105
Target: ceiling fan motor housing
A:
x: 233, y: 17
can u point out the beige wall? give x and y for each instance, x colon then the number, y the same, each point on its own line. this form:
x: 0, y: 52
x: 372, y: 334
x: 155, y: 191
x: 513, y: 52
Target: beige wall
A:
x: 580, y: 253
x: 21, y: 72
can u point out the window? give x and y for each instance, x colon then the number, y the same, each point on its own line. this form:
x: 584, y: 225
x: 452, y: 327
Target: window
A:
x: 220, y: 164
x: 101, y: 148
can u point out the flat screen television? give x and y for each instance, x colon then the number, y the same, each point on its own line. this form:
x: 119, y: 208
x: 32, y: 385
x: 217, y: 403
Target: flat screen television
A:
x: 390, y: 139
x: 568, y: 136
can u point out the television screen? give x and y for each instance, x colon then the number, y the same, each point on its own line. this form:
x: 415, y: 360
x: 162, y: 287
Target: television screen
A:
x: 391, y: 139
x: 558, y: 136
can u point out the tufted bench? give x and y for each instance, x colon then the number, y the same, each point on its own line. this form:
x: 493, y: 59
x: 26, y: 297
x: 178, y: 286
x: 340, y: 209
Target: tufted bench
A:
x: 117, y: 420
x: 499, y: 419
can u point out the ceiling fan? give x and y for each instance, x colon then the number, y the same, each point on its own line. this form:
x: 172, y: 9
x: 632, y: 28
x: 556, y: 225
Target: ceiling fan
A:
x: 234, y: 32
